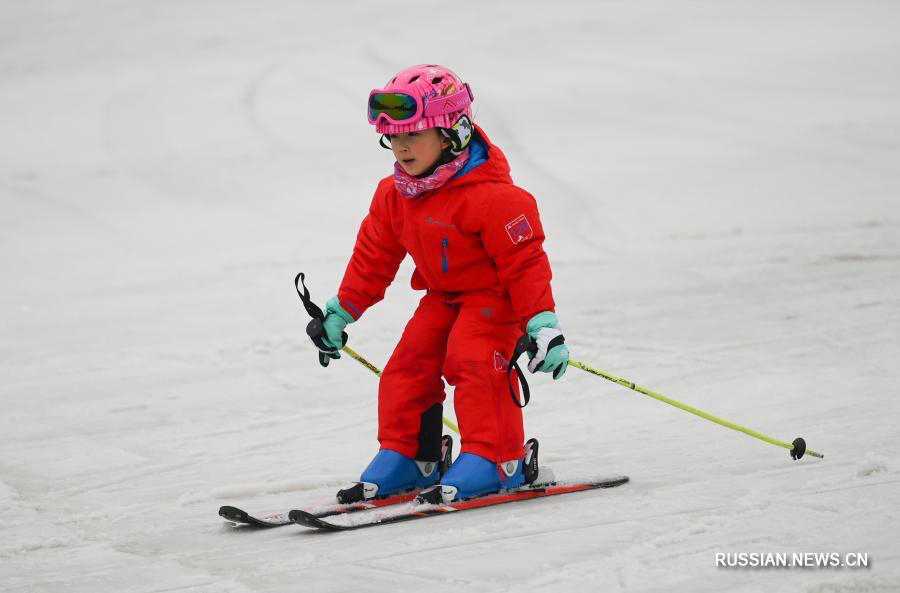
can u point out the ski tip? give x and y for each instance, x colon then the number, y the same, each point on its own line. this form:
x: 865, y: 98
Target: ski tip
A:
x: 590, y: 483
x: 609, y: 481
x: 616, y: 481
x: 306, y: 519
x: 233, y: 514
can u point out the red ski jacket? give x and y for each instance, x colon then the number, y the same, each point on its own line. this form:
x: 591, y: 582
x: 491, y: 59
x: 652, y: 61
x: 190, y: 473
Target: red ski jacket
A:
x: 477, y: 232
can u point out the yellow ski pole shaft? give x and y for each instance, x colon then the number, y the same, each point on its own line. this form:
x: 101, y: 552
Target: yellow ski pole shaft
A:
x: 797, y: 448
x: 377, y: 371
x: 314, y: 330
x: 361, y: 360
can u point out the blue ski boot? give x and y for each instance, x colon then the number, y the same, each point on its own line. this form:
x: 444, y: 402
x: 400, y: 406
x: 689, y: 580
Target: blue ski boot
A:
x: 392, y: 473
x: 472, y: 475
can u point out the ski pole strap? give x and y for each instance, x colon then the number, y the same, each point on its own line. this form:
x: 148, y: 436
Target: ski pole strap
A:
x: 524, y: 344
x: 313, y: 309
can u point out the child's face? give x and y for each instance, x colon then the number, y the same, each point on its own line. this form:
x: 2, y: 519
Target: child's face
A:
x: 417, y: 152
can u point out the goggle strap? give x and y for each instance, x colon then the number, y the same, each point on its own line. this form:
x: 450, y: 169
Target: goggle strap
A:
x: 450, y: 104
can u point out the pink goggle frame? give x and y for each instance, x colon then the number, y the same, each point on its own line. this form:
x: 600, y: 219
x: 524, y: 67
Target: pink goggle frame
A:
x: 434, y: 107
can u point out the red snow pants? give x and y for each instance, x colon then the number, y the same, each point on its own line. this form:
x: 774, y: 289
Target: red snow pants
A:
x: 466, y: 338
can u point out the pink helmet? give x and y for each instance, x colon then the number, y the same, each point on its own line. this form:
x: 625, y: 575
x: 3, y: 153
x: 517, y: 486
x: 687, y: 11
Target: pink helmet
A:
x: 422, y: 97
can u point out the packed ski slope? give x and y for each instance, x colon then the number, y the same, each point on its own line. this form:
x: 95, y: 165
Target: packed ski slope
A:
x: 719, y: 182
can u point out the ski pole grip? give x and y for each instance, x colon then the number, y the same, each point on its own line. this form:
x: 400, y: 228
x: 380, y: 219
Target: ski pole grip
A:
x: 531, y: 346
x: 314, y: 328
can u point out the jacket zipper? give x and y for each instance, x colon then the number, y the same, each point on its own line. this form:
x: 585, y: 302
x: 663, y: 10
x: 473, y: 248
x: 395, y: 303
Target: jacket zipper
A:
x: 444, y: 245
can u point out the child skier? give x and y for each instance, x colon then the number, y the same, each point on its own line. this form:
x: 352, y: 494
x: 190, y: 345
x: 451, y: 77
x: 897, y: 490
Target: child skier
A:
x: 476, y: 240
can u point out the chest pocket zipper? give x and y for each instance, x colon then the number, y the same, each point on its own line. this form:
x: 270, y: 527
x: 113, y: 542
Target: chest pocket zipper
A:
x: 444, y: 244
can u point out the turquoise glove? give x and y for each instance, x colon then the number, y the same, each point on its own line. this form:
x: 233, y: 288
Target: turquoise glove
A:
x: 552, y: 354
x: 336, y: 319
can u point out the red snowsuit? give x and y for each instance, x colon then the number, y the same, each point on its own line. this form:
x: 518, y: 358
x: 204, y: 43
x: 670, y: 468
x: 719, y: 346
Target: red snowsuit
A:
x: 476, y: 242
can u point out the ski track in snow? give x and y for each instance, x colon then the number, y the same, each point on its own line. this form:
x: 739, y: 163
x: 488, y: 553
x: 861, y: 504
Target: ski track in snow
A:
x: 719, y: 186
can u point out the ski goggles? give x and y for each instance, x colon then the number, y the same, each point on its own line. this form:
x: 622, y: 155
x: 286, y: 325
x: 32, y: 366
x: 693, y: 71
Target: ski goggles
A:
x: 403, y: 108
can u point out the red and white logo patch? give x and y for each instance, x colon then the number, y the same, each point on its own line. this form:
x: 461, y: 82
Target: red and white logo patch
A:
x: 500, y: 362
x: 519, y: 230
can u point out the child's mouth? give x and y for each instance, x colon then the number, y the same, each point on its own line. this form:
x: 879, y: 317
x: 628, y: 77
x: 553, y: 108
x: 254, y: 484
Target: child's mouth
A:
x: 407, y: 161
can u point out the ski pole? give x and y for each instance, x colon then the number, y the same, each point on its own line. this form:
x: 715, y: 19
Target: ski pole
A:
x: 797, y: 448
x: 314, y: 329
x: 376, y: 370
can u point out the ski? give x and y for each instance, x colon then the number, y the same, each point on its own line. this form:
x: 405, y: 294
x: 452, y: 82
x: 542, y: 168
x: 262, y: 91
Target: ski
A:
x: 350, y: 500
x: 240, y: 517
x: 415, y: 509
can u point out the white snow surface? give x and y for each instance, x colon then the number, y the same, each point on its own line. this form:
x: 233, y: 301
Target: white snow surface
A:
x: 720, y: 186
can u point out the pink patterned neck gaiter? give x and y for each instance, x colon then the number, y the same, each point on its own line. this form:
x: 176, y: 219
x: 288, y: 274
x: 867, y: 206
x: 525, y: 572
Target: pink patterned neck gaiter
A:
x: 410, y: 187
